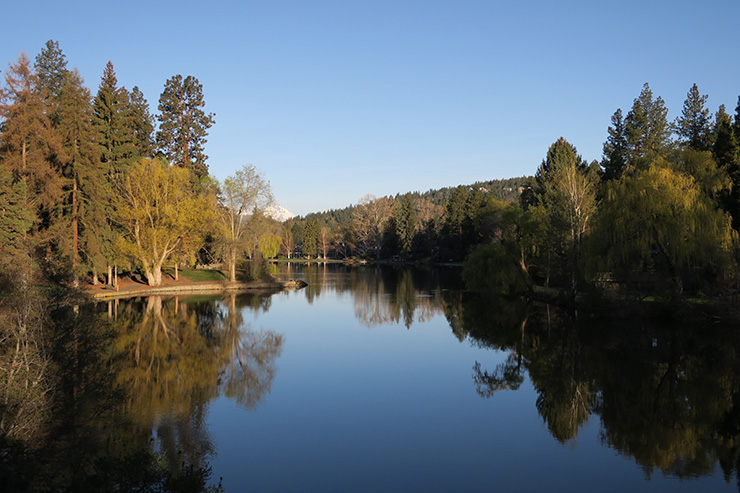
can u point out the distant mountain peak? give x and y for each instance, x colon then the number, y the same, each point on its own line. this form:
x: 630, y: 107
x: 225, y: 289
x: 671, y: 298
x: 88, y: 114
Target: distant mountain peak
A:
x: 279, y: 213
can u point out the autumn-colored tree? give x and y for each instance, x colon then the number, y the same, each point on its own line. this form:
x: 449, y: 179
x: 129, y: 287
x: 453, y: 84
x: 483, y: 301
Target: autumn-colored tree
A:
x: 28, y: 142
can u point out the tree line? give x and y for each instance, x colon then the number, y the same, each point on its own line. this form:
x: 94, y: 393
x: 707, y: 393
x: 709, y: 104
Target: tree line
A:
x: 90, y: 184
x: 659, y: 213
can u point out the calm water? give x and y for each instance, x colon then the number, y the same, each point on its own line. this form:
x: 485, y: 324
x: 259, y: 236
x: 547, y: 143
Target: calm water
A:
x: 383, y: 379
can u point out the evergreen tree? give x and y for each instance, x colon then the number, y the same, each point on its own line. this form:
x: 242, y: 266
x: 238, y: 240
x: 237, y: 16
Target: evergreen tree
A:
x: 724, y: 147
x: 454, y: 218
x: 569, y: 198
x: 142, y: 122
x: 405, y: 223
x: 183, y: 124
x: 693, y: 126
x: 560, y: 151
x: 111, y: 118
x: 727, y: 156
x: 647, y: 129
x: 51, y: 69
x: 614, y: 162
x: 80, y: 166
x: 15, y: 216
x: 311, y: 238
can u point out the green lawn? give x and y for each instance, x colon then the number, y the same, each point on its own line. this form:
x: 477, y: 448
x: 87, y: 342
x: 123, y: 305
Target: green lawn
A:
x: 198, y: 275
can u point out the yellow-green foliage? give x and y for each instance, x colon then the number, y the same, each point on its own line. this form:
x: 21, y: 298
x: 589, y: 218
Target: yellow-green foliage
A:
x: 494, y: 268
x: 664, y: 209
x: 159, y: 213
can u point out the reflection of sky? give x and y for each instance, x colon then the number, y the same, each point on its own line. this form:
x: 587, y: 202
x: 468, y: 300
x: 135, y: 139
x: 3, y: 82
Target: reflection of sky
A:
x: 391, y: 409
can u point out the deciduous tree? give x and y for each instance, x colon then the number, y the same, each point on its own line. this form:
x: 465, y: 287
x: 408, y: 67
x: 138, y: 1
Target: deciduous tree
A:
x: 242, y: 194
x: 155, y: 213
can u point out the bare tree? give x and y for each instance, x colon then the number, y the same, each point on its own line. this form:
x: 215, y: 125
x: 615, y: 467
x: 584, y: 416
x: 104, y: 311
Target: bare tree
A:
x: 243, y: 193
x: 368, y: 219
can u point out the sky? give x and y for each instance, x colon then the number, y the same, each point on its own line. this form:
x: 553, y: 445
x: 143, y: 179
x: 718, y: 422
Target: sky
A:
x: 334, y: 100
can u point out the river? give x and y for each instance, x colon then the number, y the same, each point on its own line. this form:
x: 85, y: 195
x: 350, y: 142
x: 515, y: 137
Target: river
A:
x: 376, y: 378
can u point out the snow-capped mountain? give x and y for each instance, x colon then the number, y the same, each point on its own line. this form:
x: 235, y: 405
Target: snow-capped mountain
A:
x: 279, y: 213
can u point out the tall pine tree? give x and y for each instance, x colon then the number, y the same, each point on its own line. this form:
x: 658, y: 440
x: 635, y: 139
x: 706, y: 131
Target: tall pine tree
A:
x: 647, y: 129
x: 115, y: 132
x: 694, y: 126
x: 80, y: 165
x: 51, y: 69
x: 142, y: 123
x: 183, y: 124
x: 614, y: 162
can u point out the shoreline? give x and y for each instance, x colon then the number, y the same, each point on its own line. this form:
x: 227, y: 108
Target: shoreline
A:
x: 189, y: 287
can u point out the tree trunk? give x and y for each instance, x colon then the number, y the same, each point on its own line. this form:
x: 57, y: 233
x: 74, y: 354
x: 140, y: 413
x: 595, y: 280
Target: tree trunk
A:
x: 75, y: 227
x: 154, y: 275
x: 177, y: 277
x: 110, y: 275
x: 232, y: 266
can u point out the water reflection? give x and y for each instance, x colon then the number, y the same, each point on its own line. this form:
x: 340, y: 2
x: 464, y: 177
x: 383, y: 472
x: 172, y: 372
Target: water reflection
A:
x: 129, y: 390
x: 666, y: 395
x: 175, y: 356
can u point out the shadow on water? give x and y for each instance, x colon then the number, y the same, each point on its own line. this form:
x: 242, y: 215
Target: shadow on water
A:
x: 122, y: 401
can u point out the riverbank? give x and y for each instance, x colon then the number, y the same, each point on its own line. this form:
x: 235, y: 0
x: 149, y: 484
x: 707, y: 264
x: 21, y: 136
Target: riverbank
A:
x: 128, y: 288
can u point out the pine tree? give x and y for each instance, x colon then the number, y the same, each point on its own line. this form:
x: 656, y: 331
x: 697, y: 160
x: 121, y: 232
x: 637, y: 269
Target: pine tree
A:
x: 142, y: 123
x: 736, y: 123
x: 727, y: 156
x: 51, y: 69
x: 81, y: 168
x: 693, y: 126
x: 724, y: 147
x: 560, y: 151
x: 647, y: 129
x: 614, y: 162
x: 569, y: 197
x: 183, y: 124
x: 311, y: 238
x: 113, y: 123
x: 405, y: 223
x: 15, y: 216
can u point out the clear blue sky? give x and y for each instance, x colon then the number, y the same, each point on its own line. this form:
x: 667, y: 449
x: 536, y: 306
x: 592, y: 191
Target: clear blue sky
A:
x: 337, y: 99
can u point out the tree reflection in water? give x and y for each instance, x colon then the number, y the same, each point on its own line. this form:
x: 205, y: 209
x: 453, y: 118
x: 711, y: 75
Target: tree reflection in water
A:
x: 175, y: 356
x: 131, y: 393
x: 667, y: 395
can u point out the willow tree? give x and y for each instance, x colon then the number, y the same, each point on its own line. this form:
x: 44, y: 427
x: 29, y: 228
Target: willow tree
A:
x: 157, y: 214
x: 244, y: 193
x: 660, y: 216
